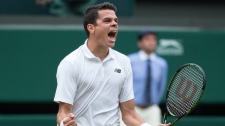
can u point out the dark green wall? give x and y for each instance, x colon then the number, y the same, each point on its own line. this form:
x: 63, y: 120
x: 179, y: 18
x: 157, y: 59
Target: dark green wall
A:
x: 29, y: 59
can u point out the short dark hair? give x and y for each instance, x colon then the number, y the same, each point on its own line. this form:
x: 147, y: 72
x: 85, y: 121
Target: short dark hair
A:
x: 91, y: 13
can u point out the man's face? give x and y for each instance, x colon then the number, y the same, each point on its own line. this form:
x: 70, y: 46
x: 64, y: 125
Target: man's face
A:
x: 148, y: 43
x: 106, y: 28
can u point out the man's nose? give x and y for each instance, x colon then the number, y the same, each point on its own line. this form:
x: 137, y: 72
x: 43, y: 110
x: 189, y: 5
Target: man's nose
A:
x: 114, y: 24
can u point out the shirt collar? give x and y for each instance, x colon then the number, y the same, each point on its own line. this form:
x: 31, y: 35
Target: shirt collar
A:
x: 89, y: 54
x: 143, y: 56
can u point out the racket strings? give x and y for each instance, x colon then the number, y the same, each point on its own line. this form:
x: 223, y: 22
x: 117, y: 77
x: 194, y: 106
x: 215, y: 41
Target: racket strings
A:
x: 185, y: 90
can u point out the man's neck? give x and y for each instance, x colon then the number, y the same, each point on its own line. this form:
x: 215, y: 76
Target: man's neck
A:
x: 99, y: 51
x: 148, y: 53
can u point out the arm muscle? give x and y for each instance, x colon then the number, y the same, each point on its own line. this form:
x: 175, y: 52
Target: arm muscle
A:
x: 129, y: 115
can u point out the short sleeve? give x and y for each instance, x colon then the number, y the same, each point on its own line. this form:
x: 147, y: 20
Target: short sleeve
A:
x: 66, y: 83
x: 127, y: 92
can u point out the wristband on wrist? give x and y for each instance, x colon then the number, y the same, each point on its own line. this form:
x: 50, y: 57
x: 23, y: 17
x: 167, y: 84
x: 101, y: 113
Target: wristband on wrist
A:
x: 61, y: 123
x: 145, y: 124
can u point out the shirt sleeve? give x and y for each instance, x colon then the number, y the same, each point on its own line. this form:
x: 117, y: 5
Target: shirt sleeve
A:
x: 127, y: 92
x: 66, y: 83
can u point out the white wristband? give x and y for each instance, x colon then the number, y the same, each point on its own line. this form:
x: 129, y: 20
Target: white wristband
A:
x: 61, y: 123
x: 145, y: 124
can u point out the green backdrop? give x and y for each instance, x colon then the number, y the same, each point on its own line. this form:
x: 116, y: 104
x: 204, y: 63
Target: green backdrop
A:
x: 30, y: 56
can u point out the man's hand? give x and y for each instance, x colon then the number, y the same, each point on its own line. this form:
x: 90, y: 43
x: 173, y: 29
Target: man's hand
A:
x: 64, y: 115
x: 165, y: 124
x: 69, y: 120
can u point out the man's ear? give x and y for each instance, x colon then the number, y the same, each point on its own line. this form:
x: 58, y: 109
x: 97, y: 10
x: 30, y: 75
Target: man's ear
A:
x: 91, y: 28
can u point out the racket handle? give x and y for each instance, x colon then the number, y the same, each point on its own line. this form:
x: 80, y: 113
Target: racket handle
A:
x: 164, y: 118
x: 175, y: 121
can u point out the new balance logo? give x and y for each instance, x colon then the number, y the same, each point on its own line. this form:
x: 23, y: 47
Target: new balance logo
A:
x: 117, y: 70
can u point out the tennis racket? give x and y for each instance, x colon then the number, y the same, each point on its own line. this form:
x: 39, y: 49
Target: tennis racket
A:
x: 185, y: 91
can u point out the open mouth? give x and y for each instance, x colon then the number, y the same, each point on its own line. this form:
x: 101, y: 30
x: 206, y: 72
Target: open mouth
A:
x: 112, y: 34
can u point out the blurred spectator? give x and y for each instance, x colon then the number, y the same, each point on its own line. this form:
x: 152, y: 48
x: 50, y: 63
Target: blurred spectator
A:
x: 43, y: 2
x: 149, y: 78
x: 66, y: 7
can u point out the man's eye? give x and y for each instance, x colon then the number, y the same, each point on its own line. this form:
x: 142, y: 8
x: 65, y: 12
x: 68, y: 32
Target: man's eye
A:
x: 107, y: 20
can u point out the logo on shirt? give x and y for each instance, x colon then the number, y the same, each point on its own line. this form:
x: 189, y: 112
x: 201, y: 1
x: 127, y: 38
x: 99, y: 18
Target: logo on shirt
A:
x: 170, y: 47
x: 117, y: 70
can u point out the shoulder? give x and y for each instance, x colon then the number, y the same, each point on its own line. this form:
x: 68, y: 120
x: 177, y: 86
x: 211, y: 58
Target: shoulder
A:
x: 133, y: 56
x: 119, y: 56
x: 160, y: 60
x: 69, y: 62
x: 74, y: 56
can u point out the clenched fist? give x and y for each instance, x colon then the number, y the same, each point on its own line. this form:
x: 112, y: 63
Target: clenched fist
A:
x: 69, y: 120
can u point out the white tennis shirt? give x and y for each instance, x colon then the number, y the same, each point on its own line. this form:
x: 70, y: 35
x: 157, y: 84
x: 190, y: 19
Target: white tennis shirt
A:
x: 94, y: 87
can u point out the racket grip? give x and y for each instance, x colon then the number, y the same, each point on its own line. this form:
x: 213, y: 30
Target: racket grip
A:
x: 164, y: 119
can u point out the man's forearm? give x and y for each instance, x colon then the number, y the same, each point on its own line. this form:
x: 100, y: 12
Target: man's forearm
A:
x: 133, y: 119
x: 60, y: 117
x: 64, y: 110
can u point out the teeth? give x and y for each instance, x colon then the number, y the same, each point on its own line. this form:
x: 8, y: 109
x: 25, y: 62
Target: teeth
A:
x: 114, y: 31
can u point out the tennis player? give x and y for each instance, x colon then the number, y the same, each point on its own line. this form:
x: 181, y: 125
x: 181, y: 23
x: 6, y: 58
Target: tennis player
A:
x: 94, y: 82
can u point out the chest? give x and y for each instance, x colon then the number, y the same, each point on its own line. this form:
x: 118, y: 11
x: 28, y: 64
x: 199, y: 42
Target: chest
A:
x: 93, y: 75
x: 140, y: 71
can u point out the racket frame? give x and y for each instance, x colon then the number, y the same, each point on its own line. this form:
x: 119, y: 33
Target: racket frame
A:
x: 196, y: 103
